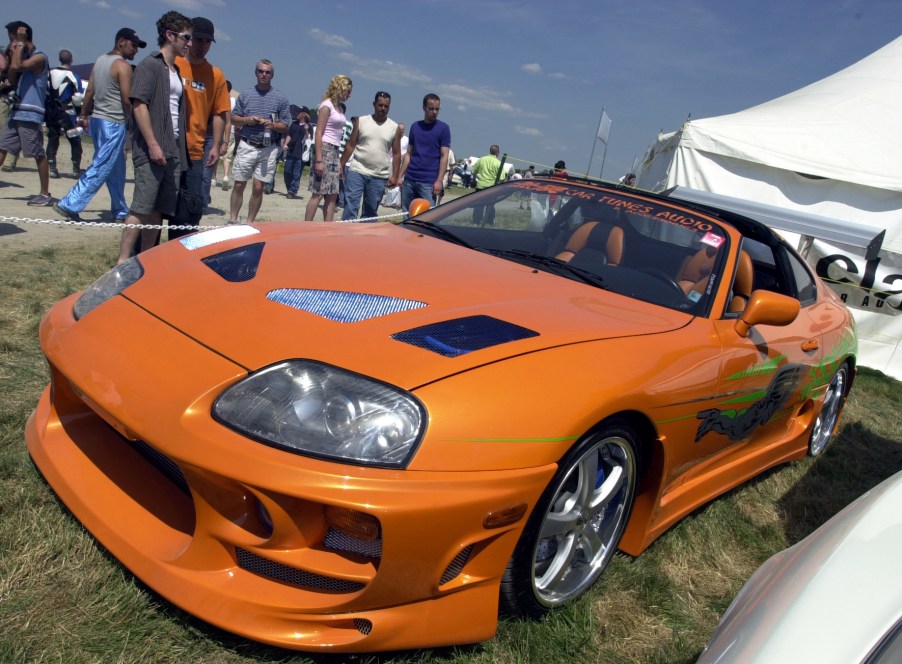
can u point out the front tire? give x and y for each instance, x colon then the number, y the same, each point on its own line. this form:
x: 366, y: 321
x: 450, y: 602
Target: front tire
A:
x: 575, y: 528
x: 827, y: 420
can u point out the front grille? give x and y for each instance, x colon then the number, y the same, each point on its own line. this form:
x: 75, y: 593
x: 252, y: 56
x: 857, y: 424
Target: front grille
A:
x: 339, y: 541
x: 277, y: 571
x: 456, y: 566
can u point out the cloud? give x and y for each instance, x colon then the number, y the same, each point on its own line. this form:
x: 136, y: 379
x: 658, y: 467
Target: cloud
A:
x: 485, y: 99
x: 384, y: 71
x: 188, y: 5
x: 529, y: 131
x: 329, y: 39
x: 535, y: 69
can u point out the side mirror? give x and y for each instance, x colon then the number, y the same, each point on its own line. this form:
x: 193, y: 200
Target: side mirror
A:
x: 418, y: 206
x: 767, y: 308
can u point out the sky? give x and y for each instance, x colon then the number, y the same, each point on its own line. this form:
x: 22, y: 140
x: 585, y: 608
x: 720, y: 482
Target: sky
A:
x: 532, y: 77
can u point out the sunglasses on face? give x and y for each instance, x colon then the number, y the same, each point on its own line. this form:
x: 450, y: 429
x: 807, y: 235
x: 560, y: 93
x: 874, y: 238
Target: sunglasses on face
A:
x: 264, y: 72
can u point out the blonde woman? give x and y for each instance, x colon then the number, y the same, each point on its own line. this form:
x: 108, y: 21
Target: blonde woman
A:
x: 325, y: 171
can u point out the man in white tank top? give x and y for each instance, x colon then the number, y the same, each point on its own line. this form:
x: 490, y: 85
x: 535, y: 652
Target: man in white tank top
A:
x: 104, y: 110
x: 375, y: 144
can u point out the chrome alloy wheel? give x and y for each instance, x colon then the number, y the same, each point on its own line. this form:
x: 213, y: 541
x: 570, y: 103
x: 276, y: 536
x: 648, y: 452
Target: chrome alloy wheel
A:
x: 825, y: 424
x: 584, y: 520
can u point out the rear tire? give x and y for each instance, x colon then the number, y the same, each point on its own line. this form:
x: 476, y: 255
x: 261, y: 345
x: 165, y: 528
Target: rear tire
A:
x: 827, y: 420
x: 576, y: 526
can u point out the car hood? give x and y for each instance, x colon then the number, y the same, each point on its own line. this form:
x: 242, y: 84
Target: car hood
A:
x: 373, y: 298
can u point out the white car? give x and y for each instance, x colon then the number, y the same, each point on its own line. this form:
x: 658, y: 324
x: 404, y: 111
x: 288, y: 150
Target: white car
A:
x: 836, y: 596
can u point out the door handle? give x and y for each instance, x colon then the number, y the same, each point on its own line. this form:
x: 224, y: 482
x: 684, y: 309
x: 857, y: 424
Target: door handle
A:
x: 811, y: 344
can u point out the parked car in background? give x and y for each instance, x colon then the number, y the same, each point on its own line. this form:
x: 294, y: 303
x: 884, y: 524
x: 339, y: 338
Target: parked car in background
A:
x: 833, y: 598
x: 362, y: 437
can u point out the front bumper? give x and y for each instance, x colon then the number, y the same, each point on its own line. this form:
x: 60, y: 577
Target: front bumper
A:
x: 235, y: 532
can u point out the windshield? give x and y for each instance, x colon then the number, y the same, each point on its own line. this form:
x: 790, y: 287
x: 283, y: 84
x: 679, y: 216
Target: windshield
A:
x: 612, y: 239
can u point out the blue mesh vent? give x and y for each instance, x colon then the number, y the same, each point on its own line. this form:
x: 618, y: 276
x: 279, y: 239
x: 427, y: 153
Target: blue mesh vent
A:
x: 463, y: 335
x: 221, y: 234
x: 236, y: 264
x: 340, y: 306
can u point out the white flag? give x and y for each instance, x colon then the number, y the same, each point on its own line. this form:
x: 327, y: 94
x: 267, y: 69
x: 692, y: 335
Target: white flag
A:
x: 604, y: 128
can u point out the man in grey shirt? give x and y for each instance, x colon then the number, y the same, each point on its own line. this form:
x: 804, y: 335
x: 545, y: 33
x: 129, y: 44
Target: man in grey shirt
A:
x: 158, y: 137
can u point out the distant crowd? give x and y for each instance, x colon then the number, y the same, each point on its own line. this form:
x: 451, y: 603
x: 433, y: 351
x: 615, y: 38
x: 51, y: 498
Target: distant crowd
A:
x: 176, y: 115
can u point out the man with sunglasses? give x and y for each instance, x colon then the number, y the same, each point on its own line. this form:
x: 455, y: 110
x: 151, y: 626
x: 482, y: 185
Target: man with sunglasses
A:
x: 263, y: 115
x: 159, y: 117
x: 209, y: 110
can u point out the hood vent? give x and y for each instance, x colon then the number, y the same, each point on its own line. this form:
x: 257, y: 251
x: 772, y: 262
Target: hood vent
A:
x: 340, y: 306
x: 236, y: 264
x: 463, y: 335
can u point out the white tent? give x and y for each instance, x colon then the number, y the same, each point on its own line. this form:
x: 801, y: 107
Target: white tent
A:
x: 834, y: 149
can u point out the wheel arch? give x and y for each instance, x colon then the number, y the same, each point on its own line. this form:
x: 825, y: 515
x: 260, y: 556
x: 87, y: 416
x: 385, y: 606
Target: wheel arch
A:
x: 650, y: 473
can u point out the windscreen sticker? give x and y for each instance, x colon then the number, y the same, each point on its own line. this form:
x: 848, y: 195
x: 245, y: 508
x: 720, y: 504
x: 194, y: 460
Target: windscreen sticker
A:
x: 713, y: 240
x: 638, y: 207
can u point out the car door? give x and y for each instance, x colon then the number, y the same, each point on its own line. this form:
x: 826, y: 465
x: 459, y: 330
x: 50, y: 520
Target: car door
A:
x: 765, y: 378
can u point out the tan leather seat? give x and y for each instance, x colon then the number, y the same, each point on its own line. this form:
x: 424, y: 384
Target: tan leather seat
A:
x: 695, y: 270
x: 743, y: 284
x: 593, y: 235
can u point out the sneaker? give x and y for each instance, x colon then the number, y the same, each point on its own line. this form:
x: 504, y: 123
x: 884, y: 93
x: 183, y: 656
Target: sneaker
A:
x: 65, y: 214
x: 291, y: 194
x: 41, y: 201
x: 54, y: 173
x: 213, y: 182
x: 7, y: 168
x: 225, y: 184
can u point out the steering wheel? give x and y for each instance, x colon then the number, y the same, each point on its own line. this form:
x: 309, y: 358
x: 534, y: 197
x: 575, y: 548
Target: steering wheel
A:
x: 660, y: 275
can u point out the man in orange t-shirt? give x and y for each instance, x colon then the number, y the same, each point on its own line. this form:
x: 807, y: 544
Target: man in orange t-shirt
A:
x: 209, y: 110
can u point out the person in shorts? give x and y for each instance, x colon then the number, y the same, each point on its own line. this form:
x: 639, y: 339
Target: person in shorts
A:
x: 263, y: 115
x: 159, y: 117
x: 30, y: 71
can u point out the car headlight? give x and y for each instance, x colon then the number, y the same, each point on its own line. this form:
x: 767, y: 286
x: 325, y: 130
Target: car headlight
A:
x: 110, y: 284
x: 323, y: 411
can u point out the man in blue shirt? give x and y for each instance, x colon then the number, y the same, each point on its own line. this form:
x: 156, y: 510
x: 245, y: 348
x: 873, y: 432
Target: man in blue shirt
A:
x: 426, y: 160
x: 30, y: 72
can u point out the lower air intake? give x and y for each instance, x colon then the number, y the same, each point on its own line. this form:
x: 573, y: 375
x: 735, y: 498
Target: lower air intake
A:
x: 260, y: 566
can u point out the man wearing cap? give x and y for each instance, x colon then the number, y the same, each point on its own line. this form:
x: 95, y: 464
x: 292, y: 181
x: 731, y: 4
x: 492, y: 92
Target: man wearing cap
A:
x: 208, y: 112
x: 375, y: 144
x: 107, y: 104
x: 294, y: 149
x: 30, y: 72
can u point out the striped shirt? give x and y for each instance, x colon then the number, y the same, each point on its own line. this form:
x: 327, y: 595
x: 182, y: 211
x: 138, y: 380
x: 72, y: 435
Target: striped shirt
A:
x: 150, y: 84
x: 255, y: 102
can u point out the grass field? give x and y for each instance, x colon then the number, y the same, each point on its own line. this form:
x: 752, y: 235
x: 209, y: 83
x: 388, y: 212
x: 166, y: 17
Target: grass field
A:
x: 63, y: 599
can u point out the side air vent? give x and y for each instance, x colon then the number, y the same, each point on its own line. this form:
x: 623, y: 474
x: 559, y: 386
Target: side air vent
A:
x: 464, y: 335
x: 456, y: 566
x: 236, y: 264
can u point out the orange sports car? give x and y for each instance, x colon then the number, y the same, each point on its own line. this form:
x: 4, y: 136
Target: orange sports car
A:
x: 363, y: 437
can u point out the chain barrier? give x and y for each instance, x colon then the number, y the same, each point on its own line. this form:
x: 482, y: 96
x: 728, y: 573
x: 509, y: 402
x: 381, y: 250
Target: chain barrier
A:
x: 120, y: 224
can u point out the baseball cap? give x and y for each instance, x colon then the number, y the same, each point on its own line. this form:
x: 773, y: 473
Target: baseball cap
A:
x: 203, y: 28
x: 132, y: 36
